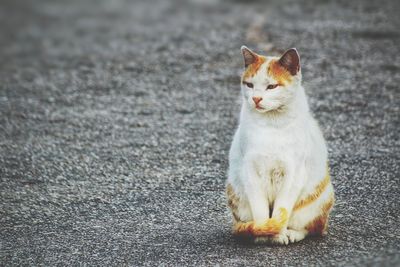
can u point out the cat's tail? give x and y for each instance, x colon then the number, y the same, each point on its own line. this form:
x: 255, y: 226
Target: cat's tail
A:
x: 269, y: 228
x: 272, y: 226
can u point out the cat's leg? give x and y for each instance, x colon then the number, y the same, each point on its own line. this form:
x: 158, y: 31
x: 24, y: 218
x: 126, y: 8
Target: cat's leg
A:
x: 238, y: 204
x: 236, y: 196
x: 254, y: 190
x: 311, y: 220
x: 285, y: 201
x: 311, y: 212
x: 276, y: 226
x: 241, y: 211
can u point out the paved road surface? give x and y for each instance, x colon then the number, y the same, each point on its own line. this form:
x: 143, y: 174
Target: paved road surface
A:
x: 116, y: 119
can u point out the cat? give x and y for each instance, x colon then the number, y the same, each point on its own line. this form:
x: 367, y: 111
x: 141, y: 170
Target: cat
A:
x: 278, y: 187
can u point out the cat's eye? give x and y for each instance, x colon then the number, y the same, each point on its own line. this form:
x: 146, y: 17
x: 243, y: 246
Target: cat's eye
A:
x: 250, y: 85
x: 272, y: 86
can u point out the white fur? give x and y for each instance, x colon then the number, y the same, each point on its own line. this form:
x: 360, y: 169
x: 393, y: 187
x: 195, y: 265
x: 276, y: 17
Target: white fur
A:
x: 281, y: 138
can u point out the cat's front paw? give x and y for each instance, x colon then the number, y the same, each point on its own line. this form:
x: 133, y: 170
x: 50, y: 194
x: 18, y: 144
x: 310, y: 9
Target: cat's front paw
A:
x: 295, y: 236
x: 279, y: 239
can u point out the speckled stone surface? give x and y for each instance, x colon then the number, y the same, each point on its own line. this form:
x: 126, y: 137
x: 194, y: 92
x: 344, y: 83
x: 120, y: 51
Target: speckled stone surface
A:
x: 116, y: 118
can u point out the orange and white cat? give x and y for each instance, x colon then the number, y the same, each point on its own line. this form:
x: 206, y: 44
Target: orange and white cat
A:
x: 278, y: 187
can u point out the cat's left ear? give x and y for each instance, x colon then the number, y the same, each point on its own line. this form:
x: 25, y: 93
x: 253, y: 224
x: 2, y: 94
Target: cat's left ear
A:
x: 290, y: 60
x: 249, y: 56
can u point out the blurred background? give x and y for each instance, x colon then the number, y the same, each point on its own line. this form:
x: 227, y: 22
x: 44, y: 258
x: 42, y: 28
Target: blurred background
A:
x: 116, y: 118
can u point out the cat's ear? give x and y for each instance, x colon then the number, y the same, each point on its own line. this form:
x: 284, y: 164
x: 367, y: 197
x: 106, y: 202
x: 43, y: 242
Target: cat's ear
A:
x: 290, y: 60
x: 249, y: 56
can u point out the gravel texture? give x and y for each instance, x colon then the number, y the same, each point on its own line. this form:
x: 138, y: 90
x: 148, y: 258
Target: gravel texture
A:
x: 116, y: 118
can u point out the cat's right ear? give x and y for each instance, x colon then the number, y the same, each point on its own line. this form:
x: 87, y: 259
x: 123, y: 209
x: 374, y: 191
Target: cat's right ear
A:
x: 249, y: 56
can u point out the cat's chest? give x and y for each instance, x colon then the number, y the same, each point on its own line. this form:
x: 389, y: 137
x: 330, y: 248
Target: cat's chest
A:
x: 273, y: 142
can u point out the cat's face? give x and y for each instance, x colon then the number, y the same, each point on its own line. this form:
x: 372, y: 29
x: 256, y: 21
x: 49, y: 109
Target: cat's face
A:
x: 270, y: 83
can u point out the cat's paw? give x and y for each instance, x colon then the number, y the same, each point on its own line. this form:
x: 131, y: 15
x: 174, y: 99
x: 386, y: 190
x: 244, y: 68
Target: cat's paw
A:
x: 279, y: 239
x: 295, y: 236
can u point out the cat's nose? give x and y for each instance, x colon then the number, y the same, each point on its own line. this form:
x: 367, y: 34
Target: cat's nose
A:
x: 257, y: 99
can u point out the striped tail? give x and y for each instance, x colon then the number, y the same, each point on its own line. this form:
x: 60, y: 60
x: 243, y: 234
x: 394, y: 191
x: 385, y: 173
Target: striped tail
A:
x: 272, y: 226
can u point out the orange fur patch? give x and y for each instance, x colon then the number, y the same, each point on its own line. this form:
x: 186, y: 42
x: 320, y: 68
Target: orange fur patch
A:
x: 279, y: 73
x: 252, y: 69
x: 319, y: 225
x: 272, y: 226
x: 319, y: 189
x: 243, y: 228
x: 233, y: 201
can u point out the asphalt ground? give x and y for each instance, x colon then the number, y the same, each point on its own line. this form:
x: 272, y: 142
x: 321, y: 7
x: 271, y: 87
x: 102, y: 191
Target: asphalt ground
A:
x: 116, y: 119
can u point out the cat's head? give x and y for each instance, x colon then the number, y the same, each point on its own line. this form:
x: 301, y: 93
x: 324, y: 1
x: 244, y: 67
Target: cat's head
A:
x: 270, y: 83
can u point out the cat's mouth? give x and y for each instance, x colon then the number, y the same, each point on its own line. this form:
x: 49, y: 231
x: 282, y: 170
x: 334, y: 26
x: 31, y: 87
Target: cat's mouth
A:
x: 259, y: 108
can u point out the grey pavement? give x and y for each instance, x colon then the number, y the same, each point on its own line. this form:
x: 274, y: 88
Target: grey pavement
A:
x: 116, y: 118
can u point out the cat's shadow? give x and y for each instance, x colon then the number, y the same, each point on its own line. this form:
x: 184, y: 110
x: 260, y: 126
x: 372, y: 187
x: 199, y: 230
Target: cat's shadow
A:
x: 227, y: 239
